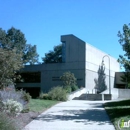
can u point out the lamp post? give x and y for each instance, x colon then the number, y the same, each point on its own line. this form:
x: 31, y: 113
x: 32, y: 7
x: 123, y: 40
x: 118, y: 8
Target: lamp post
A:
x: 109, y: 72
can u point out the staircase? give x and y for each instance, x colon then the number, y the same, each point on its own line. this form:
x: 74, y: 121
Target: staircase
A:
x: 93, y: 97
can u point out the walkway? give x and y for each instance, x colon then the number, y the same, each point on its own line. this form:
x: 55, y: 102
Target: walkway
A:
x: 73, y: 115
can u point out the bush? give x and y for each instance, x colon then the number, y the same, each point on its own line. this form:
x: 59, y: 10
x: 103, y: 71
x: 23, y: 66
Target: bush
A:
x: 74, y: 88
x: 12, y: 94
x: 26, y: 110
x: 20, y: 96
x: 68, y: 89
x: 12, y: 107
x: 7, y: 123
x: 44, y: 96
x: 58, y: 93
x: 26, y: 96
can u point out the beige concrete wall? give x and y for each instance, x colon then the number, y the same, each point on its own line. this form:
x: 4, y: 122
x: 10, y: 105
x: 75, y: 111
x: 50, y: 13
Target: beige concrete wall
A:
x: 77, y: 93
x: 94, y: 58
x: 124, y: 93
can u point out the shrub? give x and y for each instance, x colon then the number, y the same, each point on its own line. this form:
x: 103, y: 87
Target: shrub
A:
x: 7, y: 123
x: 58, y: 93
x: 68, y: 89
x: 26, y: 96
x: 26, y: 110
x: 12, y: 107
x: 19, y: 96
x: 12, y: 94
x: 44, y: 96
x: 74, y: 88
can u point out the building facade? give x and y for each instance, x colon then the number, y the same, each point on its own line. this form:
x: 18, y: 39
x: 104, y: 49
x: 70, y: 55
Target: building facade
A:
x: 78, y: 57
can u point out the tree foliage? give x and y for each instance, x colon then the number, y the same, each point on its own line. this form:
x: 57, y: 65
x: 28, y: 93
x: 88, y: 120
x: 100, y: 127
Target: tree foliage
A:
x: 10, y: 63
x: 54, y: 56
x: 15, y: 39
x: 100, y: 84
x: 14, y: 53
x: 68, y: 79
x: 124, y: 40
x: 126, y: 79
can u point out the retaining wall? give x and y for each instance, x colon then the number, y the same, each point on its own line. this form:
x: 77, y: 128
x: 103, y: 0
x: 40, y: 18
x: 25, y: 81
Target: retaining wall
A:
x: 77, y: 93
x: 123, y: 93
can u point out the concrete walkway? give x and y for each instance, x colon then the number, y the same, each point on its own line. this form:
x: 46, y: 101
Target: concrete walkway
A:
x: 73, y: 115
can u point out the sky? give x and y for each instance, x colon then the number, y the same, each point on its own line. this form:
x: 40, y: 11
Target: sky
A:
x: 96, y: 22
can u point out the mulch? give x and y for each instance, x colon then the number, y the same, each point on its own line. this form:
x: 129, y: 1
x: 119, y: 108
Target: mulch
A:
x: 25, y: 118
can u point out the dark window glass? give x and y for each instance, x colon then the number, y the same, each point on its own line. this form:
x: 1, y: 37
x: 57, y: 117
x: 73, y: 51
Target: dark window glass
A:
x: 30, y: 77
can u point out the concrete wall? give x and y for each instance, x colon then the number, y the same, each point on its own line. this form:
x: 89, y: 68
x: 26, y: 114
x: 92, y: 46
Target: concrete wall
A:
x: 74, y: 61
x: 124, y: 93
x: 79, y: 58
x: 94, y: 58
x: 74, y: 49
x: 77, y: 93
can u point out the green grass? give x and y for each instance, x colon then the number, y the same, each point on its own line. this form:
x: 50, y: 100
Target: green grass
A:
x: 39, y: 105
x: 118, y: 111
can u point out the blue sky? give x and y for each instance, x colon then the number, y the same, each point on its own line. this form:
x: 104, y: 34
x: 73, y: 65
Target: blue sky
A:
x: 44, y: 21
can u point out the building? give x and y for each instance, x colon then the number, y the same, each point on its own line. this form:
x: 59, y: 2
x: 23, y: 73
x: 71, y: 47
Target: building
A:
x: 78, y: 57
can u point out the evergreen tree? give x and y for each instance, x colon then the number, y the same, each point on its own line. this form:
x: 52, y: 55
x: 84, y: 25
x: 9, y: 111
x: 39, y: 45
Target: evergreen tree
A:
x: 100, y: 84
x: 54, y: 56
x: 124, y: 40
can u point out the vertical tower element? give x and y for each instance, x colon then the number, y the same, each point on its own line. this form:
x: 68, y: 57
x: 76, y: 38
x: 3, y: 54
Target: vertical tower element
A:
x: 73, y: 49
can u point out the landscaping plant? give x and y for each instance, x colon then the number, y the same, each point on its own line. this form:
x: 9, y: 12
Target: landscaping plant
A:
x: 58, y: 93
x: 69, y: 82
x: 44, y: 96
x: 7, y: 123
x: 12, y: 107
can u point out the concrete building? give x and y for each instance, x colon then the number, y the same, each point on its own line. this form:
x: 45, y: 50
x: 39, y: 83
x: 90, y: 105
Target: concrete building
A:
x: 78, y: 57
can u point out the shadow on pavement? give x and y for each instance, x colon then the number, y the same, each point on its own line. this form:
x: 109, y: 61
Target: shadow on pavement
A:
x: 88, y: 116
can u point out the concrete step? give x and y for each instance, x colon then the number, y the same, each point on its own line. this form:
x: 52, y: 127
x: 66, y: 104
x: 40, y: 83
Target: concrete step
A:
x: 93, y: 97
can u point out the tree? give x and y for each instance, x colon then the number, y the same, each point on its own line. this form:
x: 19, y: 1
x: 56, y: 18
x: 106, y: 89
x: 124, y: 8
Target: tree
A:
x: 126, y: 79
x: 124, y: 40
x: 14, y: 53
x: 10, y: 63
x: 54, y: 56
x: 30, y: 54
x: 100, y: 84
x: 15, y: 39
x: 68, y: 79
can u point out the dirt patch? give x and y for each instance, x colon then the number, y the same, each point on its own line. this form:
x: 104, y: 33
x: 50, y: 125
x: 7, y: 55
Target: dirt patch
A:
x: 25, y: 118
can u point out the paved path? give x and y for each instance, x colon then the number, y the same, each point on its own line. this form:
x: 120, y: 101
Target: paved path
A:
x: 73, y: 115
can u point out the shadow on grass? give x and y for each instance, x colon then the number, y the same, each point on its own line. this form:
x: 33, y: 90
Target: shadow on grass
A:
x: 115, y: 113
x: 87, y: 116
x: 118, y: 103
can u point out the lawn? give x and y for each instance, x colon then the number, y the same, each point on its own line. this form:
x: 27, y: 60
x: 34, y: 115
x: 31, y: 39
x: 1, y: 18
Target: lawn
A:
x: 117, y: 112
x: 38, y: 105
